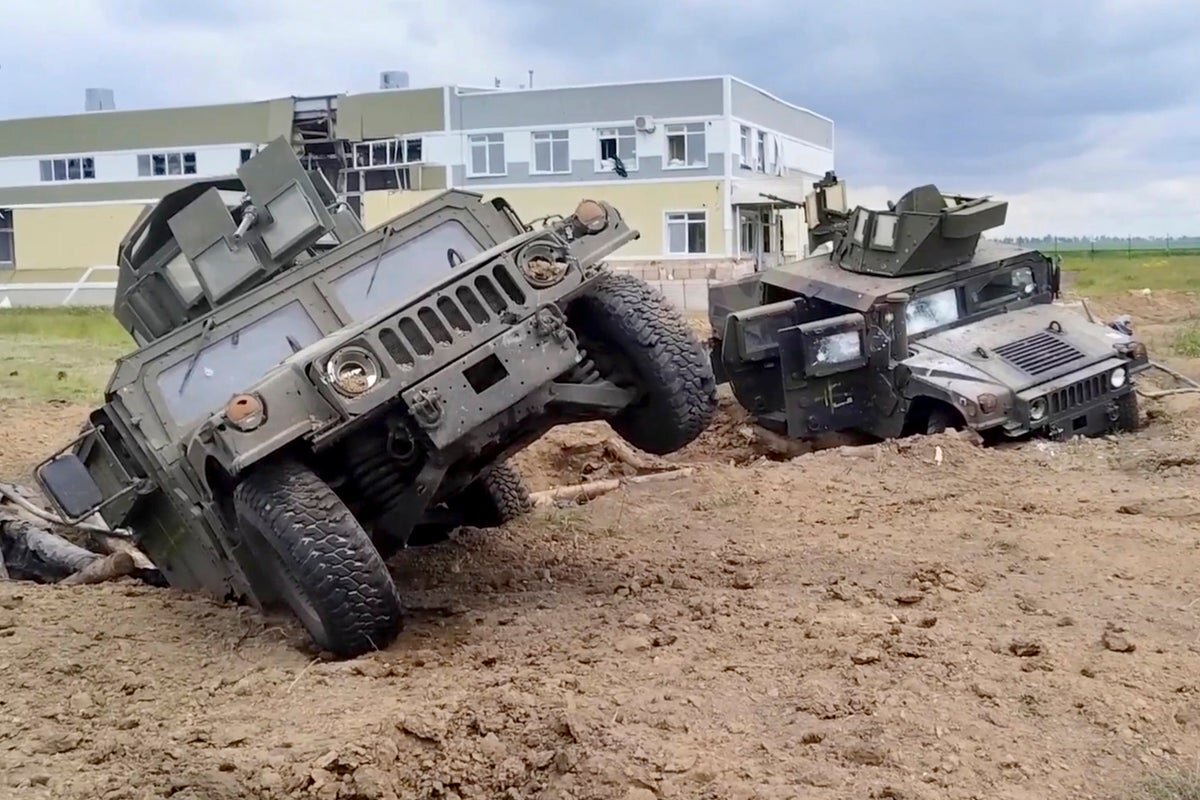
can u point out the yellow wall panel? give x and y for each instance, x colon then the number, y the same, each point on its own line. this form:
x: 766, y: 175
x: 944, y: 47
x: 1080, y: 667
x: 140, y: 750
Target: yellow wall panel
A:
x: 642, y: 206
x: 70, y: 237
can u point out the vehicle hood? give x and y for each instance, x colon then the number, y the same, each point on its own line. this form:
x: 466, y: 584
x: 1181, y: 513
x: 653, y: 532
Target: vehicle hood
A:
x: 1018, y: 349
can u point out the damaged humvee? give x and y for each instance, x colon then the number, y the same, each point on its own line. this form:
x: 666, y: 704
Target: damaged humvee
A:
x: 911, y: 322
x: 307, y: 397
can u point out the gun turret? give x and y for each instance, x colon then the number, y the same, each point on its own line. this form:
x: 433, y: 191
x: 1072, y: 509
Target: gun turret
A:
x: 924, y: 231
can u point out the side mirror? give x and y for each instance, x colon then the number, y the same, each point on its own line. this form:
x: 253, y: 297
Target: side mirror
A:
x: 66, y: 481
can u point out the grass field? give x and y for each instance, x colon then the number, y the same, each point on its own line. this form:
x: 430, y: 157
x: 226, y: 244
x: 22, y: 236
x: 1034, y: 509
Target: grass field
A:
x: 58, y: 354
x: 1112, y: 272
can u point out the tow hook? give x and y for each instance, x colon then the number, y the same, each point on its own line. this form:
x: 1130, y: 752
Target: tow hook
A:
x: 1113, y: 412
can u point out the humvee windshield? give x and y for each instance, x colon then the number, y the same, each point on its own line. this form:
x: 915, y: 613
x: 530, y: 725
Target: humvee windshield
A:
x: 204, y: 381
x: 931, y: 311
x: 405, y: 271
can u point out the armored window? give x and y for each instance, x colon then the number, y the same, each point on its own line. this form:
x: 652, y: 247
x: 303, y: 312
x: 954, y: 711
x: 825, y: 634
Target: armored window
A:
x: 487, y: 154
x: 883, y: 237
x: 1004, y: 287
x: 686, y: 146
x: 687, y: 232
x: 747, y: 156
x: 617, y: 144
x: 551, y: 152
x: 7, y: 248
x: 931, y: 311
x: 860, y: 226
x: 183, y: 278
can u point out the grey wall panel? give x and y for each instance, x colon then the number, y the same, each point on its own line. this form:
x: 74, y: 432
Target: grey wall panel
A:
x: 585, y: 170
x: 754, y: 105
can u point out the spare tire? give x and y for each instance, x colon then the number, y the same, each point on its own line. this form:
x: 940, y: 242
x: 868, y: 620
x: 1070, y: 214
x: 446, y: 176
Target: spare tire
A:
x: 320, y: 559
x: 625, y: 323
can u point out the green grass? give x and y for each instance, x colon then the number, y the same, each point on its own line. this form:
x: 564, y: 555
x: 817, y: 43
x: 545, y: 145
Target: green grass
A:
x: 1115, y: 272
x: 58, y: 354
x: 1187, y: 342
x: 1179, y: 785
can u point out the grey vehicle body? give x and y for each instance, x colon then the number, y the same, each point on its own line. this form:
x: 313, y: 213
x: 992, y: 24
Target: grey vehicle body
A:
x: 910, y: 322
x: 392, y: 371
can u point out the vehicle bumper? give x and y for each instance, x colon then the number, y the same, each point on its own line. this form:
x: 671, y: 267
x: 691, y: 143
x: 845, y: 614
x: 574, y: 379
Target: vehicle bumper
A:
x: 1083, y: 403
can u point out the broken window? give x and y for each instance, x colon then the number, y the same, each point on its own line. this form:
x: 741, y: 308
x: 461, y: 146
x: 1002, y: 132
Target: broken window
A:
x: 73, y: 168
x: 932, y: 311
x: 617, y: 144
x: 685, y: 145
x: 7, y: 248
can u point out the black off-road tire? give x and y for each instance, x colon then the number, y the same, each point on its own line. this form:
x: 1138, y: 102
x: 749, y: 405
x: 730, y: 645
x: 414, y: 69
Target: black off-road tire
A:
x: 324, y: 563
x: 670, y: 366
x: 497, y: 496
x: 1127, y: 412
x: 942, y: 419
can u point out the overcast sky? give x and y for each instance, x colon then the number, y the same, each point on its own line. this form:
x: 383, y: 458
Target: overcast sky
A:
x: 1083, y: 113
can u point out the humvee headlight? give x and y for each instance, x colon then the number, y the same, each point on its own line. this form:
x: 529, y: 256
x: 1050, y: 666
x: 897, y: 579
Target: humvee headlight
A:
x: 591, y: 215
x: 245, y: 412
x: 1037, y: 409
x: 1117, y: 377
x: 987, y: 402
x: 352, y: 371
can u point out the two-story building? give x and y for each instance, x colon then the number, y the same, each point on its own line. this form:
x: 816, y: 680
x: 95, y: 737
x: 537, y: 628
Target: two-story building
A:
x: 708, y: 169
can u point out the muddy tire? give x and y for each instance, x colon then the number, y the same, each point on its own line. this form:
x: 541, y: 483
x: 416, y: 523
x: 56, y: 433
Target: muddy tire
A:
x: 624, y: 314
x: 497, y: 496
x: 322, y: 561
x: 942, y: 419
x: 1127, y: 412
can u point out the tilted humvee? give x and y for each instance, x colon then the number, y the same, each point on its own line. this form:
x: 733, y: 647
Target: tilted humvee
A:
x: 307, y: 396
x: 910, y: 322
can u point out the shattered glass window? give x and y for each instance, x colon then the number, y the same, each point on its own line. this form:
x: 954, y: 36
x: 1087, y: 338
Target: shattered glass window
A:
x: 931, y: 311
x: 839, y: 348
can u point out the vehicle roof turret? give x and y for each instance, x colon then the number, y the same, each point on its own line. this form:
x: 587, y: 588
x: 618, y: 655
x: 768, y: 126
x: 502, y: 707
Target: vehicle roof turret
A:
x: 925, y: 231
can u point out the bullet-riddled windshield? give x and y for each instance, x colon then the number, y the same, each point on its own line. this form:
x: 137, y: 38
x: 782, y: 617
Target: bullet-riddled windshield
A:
x: 932, y: 311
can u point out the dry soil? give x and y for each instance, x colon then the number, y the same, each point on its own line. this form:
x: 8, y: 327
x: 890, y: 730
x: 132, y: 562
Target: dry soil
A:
x: 923, y: 620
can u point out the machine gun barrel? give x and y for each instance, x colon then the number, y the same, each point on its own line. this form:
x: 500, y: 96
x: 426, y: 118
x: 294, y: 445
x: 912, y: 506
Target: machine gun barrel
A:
x: 249, y: 220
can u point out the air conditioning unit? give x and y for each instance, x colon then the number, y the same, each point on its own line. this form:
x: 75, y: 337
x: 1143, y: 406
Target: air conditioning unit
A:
x: 644, y: 123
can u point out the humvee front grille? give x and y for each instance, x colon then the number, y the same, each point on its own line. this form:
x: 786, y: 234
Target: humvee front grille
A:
x: 452, y: 313
x: 1078, y: 394
x: 1039, y: 353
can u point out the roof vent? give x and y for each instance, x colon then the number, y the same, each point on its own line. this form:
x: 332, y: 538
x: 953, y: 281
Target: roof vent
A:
x: 393, y: 79
x: 98, y: 100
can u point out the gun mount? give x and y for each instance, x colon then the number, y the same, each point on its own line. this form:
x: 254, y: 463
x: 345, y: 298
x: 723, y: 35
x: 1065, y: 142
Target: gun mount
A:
x: 924, y: 232
x: 212, y: 241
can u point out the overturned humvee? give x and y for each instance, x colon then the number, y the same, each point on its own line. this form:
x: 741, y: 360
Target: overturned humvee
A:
x: 911, y: 322
x: 307, y: 396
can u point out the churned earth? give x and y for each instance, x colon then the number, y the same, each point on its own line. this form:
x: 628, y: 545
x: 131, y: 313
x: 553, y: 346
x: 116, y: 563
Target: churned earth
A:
x: 917, y: 619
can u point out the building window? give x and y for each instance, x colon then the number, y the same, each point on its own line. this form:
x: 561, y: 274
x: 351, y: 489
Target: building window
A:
x: 747, y: 158
x: 7, y: 248
x: 685, y: 145
x: 71, y: 168
x: 487, y: 154
x: 760, y: 163
x: 397, y: 152
x: 551, y: 152
x: 156, y: 165
x: 617, y: 145
x: 244, y: 155
x: 687, y: 232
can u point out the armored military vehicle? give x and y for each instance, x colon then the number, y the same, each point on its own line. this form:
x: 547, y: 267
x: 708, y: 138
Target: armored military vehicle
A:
x: 307, y: 396
x: 906, y: 320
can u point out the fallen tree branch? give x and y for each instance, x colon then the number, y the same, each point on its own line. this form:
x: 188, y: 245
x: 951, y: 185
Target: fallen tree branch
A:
x: 105, y: 568
x: 774, y: 443
x: 593, y: 489
x: 1176, y: 374
x: 626, y: 455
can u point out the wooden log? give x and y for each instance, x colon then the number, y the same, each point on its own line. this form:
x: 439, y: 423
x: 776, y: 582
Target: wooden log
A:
x: 106, y: 568
x: 593, y: 489
x: 626, y: 455
x: 34, y: 553
x: 110, y: 544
